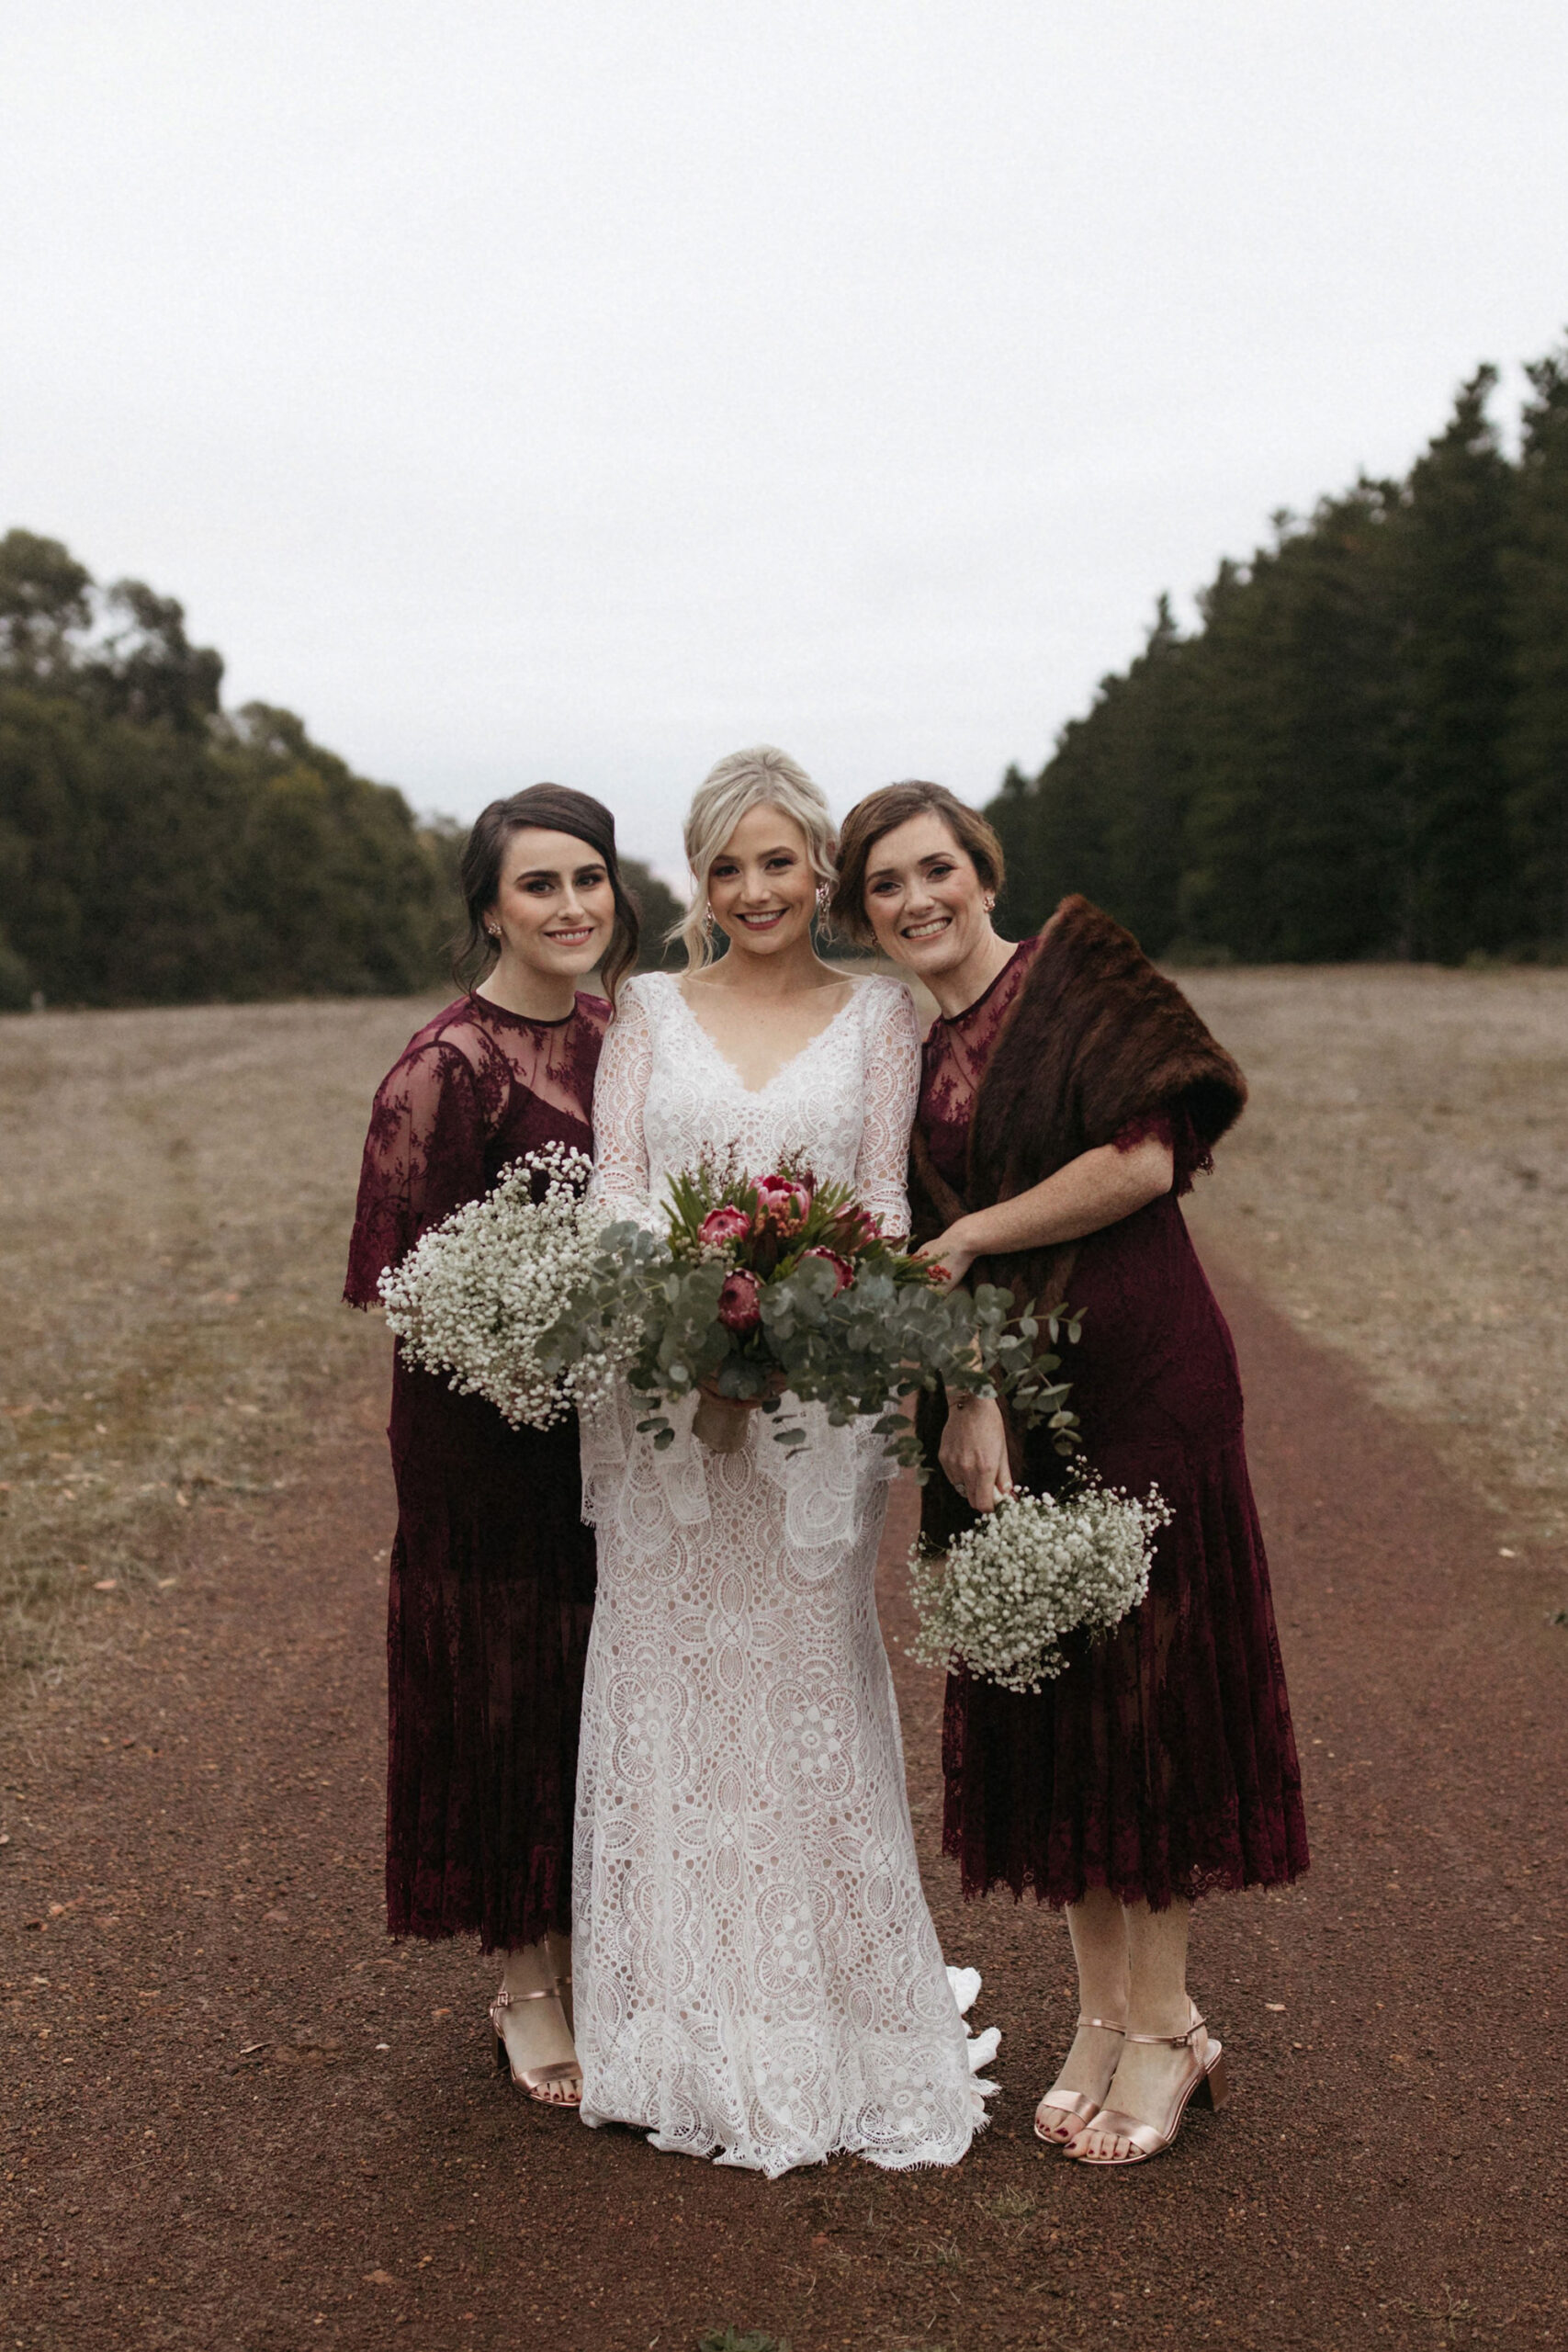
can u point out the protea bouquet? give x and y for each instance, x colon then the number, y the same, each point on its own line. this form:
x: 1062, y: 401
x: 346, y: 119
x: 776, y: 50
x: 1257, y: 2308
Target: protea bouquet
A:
x: 774, y: 1285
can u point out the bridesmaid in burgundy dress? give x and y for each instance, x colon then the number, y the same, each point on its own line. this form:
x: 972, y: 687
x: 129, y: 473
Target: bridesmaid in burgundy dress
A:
x: 1069, y: 1093
x: 491, y: 1591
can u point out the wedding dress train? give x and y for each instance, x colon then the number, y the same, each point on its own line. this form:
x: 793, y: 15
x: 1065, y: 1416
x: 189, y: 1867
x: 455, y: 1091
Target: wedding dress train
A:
x: 756, y: 1974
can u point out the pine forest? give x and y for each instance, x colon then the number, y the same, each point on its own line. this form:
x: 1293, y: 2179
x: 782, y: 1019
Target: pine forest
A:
x: 1361, y: 751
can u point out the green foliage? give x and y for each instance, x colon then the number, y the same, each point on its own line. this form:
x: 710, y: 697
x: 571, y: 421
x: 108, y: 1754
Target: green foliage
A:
x: 1536, y: 747
x: 15, y: 980
x: 1363, y: 749
x: 658, y: 908
x: 855, y: 1346
x: 1289, y: 805
x: 740, y: 2339
x: 44, y: 606
x: 155, y: 851
x: 1455, y: 669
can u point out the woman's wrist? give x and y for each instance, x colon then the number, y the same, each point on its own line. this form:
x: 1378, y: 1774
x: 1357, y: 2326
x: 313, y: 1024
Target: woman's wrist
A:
x: 975, y: 1235
x: 965, y: 1400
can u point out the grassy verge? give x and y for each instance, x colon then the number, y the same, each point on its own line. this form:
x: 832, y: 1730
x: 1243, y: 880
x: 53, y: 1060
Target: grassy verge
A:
x: 176, y: 1191
x: 1400, y: 1187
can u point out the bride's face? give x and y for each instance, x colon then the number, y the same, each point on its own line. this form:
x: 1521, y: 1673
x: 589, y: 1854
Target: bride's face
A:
x: 761, y: 885
x: 923, y: 898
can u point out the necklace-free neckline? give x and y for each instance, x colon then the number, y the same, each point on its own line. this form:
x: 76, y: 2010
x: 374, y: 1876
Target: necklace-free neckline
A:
x: 723, y: 1059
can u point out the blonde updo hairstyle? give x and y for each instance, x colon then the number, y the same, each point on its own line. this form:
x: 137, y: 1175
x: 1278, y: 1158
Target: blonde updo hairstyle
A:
x: 764, y: 778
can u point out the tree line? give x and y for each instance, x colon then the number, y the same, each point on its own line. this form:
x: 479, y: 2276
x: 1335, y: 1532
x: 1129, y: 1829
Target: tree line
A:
x: 1360, y: 751
x: 1363, y: 748
x: 158, y: 849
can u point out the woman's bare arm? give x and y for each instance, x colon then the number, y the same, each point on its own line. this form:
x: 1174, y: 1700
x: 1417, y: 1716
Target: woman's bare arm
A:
x: 1097, y: 1189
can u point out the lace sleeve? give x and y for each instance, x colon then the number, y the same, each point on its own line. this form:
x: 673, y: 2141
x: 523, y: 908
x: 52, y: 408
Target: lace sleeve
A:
x: 620, y: 1180
x: 892, y: 1087
x: 424, y: 1157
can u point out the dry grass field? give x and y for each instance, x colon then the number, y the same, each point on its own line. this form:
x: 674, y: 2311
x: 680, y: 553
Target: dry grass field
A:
x: 175, y: 1196
x: 175, y: 1190
x: 1400, y: 1187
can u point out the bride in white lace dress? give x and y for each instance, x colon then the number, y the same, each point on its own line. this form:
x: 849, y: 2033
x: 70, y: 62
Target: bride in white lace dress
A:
x: 756, y: 1975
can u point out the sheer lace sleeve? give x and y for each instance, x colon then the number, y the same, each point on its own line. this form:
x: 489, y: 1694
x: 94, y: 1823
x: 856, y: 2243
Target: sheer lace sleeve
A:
x: 424, y: 1157
x: 620, y: 1180
x: 892, y: 1085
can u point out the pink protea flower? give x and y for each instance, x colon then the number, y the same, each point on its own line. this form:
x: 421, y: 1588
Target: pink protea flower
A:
x: 856, y: 1228
x: 725, y: 1223
x: 783, y: 1198
x: 844, y: 1273
x: 740, y: 1303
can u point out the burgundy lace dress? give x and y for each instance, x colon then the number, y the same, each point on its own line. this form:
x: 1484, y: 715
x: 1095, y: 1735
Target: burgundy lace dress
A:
x: 491, y: 1591
x: 1161, y: 1763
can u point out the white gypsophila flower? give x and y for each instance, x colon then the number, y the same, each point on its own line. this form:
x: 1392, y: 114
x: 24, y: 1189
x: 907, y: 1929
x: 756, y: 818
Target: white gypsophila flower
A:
x: 480, y: 1295
x: 1010, y: 1588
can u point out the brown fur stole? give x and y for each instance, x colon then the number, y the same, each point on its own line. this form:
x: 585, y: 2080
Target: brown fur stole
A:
x: 1097, y: 1039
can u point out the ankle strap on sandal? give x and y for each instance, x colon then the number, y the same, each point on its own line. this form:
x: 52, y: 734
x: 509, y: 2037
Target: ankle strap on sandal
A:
x: 1104, y: 2024
x: 1172, y: 2041
x: 505, y: 2000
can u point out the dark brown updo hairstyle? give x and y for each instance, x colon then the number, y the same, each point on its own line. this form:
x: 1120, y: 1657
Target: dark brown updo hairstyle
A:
x: 882, y: 812
x: 552, y: 808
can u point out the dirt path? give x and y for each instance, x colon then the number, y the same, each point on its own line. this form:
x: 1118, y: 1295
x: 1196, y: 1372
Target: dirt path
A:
x: 206, y: 2143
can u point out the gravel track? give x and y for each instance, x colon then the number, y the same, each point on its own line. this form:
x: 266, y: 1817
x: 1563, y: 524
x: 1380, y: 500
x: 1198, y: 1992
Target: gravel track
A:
x: 204, y: 2145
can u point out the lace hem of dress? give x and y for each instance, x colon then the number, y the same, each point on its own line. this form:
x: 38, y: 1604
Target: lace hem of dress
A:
x: 936, y: 2125
x: 1188, y: 1886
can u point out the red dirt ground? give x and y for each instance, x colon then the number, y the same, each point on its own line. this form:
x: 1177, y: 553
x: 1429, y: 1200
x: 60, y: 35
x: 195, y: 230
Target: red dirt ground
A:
x: 204, y: 2146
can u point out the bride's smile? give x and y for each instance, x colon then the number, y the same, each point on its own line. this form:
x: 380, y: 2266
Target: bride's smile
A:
x: 761, y: 889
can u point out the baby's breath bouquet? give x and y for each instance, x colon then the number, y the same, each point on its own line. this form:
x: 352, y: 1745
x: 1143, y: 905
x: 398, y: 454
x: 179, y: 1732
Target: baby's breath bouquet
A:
x: 485, y: 1296
x: 1008, y: 1592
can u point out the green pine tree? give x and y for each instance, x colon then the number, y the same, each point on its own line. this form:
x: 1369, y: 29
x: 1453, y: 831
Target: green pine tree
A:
x: 1104, y: 816
x: 1291, y: 831
x: 1454, y: 670
x: 1537, y: 745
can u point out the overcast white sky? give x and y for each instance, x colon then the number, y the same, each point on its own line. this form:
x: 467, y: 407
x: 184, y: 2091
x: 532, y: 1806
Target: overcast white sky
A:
x: 584, y: 389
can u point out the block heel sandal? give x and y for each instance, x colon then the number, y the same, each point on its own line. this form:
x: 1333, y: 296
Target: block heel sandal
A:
x: 537, y: 2082
x: 1207, y: 2081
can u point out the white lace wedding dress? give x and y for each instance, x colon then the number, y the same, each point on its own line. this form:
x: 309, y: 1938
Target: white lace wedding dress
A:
x: 756, y: 1973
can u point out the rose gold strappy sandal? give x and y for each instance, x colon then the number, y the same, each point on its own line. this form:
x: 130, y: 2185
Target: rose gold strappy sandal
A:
x: 1207, y: 2080
x: 537, y: 2081
x: 1074, y: 2103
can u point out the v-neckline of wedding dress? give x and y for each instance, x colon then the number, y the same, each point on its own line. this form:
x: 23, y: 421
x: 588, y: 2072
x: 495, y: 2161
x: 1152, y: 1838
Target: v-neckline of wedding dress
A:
x: 757, y: 1092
